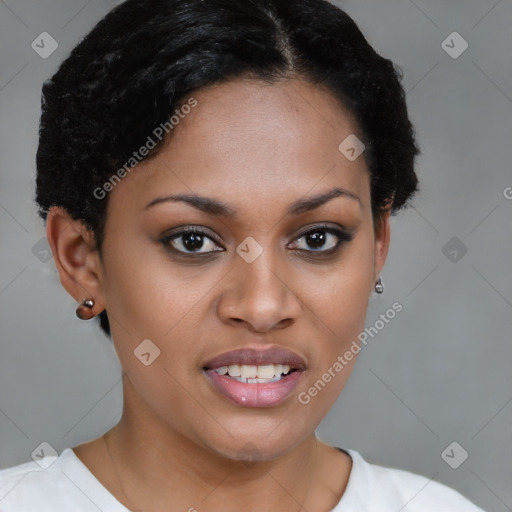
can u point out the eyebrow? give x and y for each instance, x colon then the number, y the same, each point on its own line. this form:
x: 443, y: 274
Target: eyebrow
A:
x: 218, y: 208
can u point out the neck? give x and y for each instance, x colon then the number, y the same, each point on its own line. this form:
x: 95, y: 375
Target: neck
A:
x: 156, y: 465
x: 177, y: 471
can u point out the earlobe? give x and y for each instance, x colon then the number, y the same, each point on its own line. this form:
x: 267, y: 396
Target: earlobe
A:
x: 382, y: 242
x: 76, y: 257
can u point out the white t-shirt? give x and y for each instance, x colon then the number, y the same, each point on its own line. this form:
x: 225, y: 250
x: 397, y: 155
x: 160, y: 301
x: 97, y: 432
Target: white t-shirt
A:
x: 65, y: 484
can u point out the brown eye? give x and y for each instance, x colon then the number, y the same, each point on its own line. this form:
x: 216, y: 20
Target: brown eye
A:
x: 318, y: 239
x: 322, y: 240
x: 190, y: 241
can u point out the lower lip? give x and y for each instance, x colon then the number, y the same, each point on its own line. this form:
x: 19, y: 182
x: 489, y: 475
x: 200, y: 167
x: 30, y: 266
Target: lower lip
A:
x: 254, y: 395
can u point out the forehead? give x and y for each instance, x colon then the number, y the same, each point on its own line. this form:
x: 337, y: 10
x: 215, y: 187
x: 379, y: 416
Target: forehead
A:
x: 246, y: 140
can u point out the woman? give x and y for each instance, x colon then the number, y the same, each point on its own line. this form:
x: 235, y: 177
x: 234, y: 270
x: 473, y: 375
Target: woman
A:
x: 217, y: 180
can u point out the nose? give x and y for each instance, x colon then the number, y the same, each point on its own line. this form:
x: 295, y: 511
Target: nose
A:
x: 259, y: 295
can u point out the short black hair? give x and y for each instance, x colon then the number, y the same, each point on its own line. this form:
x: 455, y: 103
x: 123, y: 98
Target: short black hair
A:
x: 145, y: 57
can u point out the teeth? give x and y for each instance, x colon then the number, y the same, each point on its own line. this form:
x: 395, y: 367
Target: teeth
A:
x: 266, y: 371
x: 234, y: 370
x: 248, y: 372
x: 253, y: 373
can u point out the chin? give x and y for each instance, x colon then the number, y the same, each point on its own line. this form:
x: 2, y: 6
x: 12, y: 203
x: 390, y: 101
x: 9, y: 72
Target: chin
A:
x: 253, y: 445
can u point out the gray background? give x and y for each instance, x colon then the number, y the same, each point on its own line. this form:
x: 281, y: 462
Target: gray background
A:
x: 439, y: 372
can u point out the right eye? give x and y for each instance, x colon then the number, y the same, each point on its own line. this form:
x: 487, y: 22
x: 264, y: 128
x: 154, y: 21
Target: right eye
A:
x: 189, y: 241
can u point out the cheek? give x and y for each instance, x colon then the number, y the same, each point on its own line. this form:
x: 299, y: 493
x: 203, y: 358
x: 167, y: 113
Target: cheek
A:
x: 335, y: 353
x: 338, y: 299
x: 338, y: 307
x: 148, y: 294
x: 151, y: 298
x: 153, y: 310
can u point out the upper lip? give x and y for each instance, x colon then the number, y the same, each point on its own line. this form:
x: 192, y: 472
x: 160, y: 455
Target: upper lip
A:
x: 257, y: 357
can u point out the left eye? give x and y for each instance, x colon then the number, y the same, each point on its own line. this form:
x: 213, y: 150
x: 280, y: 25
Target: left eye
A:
x: 322, y: 240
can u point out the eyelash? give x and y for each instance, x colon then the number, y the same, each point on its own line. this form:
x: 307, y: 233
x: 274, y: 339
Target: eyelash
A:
x: 343, y: 238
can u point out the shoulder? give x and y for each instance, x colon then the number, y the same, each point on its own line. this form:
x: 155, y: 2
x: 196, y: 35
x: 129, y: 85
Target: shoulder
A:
x: 376, y: 488
x: 26, y: 483
x: 53, y: 483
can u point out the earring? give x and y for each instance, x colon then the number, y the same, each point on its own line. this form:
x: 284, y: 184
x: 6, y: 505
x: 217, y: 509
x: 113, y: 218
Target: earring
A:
x: 379, y: 287
x: 84, y: 309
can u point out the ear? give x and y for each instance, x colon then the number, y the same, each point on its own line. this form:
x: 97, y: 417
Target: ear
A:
x: 382, y: 240
x: 76, y: 257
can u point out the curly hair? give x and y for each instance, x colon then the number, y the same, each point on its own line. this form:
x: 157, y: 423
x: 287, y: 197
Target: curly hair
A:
x: 145, y: 57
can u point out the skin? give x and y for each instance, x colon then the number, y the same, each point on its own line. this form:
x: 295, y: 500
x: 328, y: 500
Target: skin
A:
x: 257, y: 147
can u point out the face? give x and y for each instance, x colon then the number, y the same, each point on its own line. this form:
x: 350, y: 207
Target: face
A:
x: 269, y: 274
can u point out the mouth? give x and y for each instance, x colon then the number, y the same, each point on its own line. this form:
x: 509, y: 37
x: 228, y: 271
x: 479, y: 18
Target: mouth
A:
x: 255, y: 378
